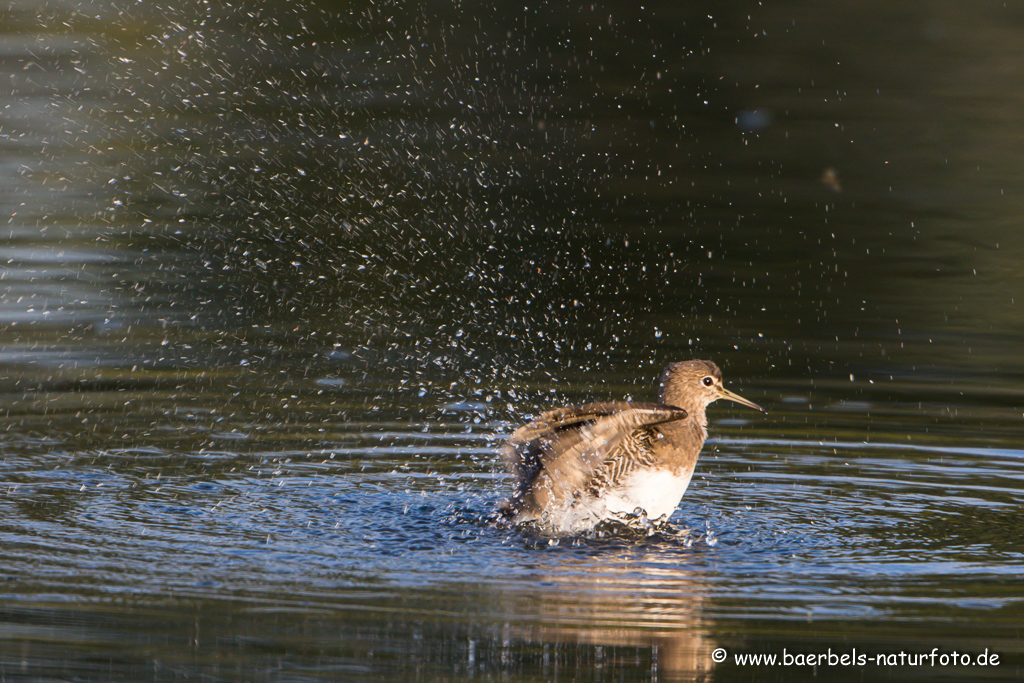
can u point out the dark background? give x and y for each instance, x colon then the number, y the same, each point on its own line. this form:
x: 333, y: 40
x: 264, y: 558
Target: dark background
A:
x: 277, y: 276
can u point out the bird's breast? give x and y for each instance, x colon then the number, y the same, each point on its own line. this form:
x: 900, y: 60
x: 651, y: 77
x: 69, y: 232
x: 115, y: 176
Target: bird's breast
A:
x: 681, y: 441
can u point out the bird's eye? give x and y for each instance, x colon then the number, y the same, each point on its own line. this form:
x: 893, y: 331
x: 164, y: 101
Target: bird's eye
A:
x: 708, y: 381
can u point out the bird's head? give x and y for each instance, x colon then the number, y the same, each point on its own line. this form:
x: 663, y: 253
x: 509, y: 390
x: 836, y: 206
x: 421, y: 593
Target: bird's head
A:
x: 694, y: 384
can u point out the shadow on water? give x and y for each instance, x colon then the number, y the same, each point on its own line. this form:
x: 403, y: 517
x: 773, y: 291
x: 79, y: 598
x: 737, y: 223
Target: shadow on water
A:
x: 275, y: 280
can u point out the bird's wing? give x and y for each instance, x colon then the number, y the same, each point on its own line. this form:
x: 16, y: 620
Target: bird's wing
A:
x: 554, y: 431
x: 570, y: 417
x: 569, y: 450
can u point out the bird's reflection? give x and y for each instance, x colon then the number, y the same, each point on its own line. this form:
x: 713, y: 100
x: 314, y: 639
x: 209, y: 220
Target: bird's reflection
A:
x: 628, y: 597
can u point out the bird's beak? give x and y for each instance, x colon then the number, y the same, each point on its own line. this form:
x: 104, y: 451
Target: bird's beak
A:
x: 726, y: 394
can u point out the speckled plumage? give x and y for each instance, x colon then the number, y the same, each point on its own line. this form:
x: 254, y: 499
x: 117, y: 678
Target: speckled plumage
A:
x: 577, y: 465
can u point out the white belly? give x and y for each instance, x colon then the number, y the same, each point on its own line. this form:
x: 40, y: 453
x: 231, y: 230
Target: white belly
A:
x: 658, y: 492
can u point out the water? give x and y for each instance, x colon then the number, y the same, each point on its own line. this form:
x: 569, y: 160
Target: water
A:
x: 276, y: 280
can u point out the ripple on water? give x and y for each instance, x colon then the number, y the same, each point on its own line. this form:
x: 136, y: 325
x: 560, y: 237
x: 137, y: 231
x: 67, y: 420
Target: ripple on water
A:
x: 840, y: 527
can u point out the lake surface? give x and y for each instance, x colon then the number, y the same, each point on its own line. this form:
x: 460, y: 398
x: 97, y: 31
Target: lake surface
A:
x: 277, y: 278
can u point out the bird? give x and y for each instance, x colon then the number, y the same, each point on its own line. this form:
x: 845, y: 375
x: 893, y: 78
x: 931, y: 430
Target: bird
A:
x: 579, y: 465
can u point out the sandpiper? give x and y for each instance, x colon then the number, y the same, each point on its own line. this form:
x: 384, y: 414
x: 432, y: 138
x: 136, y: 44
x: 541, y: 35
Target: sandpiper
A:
x: 579, y: 465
